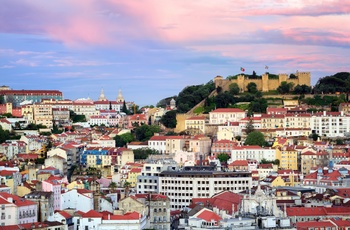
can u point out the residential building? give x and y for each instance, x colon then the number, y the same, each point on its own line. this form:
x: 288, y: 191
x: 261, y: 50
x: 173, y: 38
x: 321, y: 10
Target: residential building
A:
x: 43, y: 114
x: 224, y: 115
x: 195, y: 125
x: 25, y: 211
x: 158, y: 143
x: 77, y: 199
x: 53, y: 184
x: 222, y: 146
x: 311, y: 159
x: 229, y: 131
x: 60, y: 116
x: 330, y: 124
x: 45, y: 203
x: 288, y: 157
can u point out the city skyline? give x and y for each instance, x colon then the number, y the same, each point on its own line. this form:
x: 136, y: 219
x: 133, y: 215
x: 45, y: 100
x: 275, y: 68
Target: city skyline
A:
x: 153, y: 49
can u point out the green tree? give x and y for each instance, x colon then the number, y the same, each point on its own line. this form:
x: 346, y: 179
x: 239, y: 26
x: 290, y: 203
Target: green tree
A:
x: 252, y: 87
x: 143, y: 153
x: 285, y: 87
x: 249, y: 127
x: 125, y: 109
x: 4, y: 135
x: 255, y: 138
x: 169, y: 119
x: 238, y: 138
x: 122, y: 140
x: 112, y: 186
x: 145, y: 132
x: 234, y: 88
x: 223, y: 157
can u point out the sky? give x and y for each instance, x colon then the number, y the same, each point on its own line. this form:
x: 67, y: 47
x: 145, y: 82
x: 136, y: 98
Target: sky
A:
x: 152, y: 49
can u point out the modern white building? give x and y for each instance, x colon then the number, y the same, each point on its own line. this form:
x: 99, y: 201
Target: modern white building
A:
x: 330, y: 124
x: 201, y: 182
x: 147, y: 182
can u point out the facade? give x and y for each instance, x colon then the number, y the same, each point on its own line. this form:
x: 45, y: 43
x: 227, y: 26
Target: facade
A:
x: 159, y: 210
x: 288, y: 157
x: 222, y: 146
x: 43, y: 114
x: 53, y: 185
x: 26, y: 211
x: 312, y: 159
x: 201, y: 182
x: 45, y: 203
x: 229, y: 131
x: 148, y: 180
x: 60, y: 115
x: 225, y: 115
x: 258, y: 153
x: 195, y: 125
x: 330, y: 124
x: 158, y: 143
x: 78, y: 199
x: 18, y: 96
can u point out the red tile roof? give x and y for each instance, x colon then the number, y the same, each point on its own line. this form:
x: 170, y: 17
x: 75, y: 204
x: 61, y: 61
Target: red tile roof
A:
x: 227, y: 110
x: 302, y: 211
x: 209, y: 216
x: 92, y: 214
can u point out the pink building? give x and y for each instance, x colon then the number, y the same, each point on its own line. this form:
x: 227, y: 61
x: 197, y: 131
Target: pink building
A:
x: 53, y: 185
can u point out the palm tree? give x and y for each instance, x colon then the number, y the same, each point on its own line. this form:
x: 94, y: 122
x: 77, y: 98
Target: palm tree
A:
x: 127, y: 186
x: 112, y: 186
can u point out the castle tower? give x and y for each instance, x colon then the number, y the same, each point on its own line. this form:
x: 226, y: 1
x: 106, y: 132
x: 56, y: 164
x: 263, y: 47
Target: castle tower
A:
x: 120, y: 97
x: 102, y: 96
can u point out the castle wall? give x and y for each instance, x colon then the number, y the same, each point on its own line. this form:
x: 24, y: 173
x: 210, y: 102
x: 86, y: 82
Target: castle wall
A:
x: 264, y: 84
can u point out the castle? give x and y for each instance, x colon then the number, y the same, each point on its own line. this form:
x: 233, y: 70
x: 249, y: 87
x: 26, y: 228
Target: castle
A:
x: 264, y: 84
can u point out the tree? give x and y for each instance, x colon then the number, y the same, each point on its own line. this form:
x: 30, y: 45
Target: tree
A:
x: 238, y: 138
x: 252, y: 88
x: 234, y: 88
x: 125, y: 109
x: 223, y: 157
x: 145, y: 132
x: 122, y: 140
x: 4, y: 135
x: 249, y: 127
x: 285, y: 87
x: 255, y: 138
x: 169, y: 119
x: 143, y: 153
x: 112, y: 186
x: 314, y: 136
x: 127, y: 186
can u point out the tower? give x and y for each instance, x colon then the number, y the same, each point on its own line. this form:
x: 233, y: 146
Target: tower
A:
x: 102, y: 96
x: 120, y: 97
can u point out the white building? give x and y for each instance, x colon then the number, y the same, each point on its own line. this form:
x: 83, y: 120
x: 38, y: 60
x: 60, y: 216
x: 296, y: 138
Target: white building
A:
x: 157, y: 143
x: 147, y: 182
x: 78, y: 199
x: 201, y: 182
x: 330, y: 124
x: 258, y: 153
x: 224, y: 115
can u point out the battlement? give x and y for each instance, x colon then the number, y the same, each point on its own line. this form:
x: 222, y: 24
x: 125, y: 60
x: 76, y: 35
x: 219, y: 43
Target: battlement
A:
x: 264, y: 84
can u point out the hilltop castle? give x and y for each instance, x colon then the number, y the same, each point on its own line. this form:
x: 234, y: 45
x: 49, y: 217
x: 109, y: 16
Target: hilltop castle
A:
x: 264, y: 84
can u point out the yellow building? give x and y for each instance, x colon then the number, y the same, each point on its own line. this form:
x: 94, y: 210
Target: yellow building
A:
x: 132, y: 176
x: 43, y: 114
x: 272, y: 121
x: 273, y: 181
x: 78, y: 184
x: 288, y: 157
x: 195, y: 125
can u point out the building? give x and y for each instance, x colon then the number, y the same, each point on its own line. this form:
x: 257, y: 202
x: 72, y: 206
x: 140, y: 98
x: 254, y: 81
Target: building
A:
x: 148, y: 181
x: 195, y: 125
x: 18, y: 96
x: 77, y: 199
x: 330, y: 124
x: 288, y: 157
x: 199, y: 181
x: 25, y: 211
x: 159, y: 210
x: 222, y: 146
x: 45, y: 203
x: 256, y: 152
x: 224, y: 115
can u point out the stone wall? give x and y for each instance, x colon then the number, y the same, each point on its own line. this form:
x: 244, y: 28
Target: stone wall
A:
x: 264, y: 84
